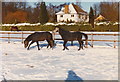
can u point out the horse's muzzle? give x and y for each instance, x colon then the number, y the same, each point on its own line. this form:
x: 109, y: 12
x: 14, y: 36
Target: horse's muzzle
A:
x: 25, y: 46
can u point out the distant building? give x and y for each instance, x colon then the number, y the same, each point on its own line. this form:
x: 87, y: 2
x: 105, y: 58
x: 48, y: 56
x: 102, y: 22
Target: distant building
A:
x: 100, y: 18
x: 72, y: 13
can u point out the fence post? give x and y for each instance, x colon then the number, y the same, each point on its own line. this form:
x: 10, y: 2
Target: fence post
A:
x: 22, y: 36
x: 92, y: 40
x: 8, y: 37
x: 114, y: 41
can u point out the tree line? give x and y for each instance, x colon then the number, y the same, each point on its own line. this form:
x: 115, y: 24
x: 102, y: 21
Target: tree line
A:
x: 110, y: 10
x: 19, y: 12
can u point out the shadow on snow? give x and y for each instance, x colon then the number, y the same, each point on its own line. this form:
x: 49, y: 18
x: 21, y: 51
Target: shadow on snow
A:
x: 73, y: 77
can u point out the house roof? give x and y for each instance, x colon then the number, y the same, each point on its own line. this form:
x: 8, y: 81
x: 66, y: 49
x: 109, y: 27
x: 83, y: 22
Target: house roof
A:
x: 66, y: 9
x: 100, y: 17
x: 78, y: 9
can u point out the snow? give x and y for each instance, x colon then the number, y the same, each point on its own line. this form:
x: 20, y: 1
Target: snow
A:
x: 21, y: 24
x: 97, y: 63
x: 18, y: 63
x: 61, y: 23
x: 116, y: 23
x: 49, y: 24
x: 8, y: 24
x: 102, y: 23
x: 71, y: 24
x: 54, y: 24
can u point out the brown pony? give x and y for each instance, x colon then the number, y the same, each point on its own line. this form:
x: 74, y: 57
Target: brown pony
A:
x: 39, y: 36
x: 71, y: 36
x: 14, y: 28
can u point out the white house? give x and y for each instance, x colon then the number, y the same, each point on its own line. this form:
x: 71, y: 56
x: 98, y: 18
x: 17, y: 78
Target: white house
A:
x: 72, y: 12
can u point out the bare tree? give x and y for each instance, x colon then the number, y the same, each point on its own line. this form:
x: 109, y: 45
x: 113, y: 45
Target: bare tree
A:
x: 96, y: 9
x: 109, y: 10
x: 51, y: 13
x: 12, y: 7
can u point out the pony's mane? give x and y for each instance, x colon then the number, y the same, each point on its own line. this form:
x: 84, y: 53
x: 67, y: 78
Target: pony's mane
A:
x: 29, y: 37
x: 63, y: 29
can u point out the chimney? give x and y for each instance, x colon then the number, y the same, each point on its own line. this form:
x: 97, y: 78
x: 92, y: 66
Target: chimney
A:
x: 66, y: 9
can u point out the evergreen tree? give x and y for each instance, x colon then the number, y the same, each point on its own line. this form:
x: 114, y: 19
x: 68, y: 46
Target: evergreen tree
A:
x: 43, y: 13
x: 91, y: 17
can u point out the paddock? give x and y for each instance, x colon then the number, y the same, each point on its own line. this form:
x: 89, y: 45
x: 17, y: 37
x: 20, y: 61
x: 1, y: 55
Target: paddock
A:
x: 99, y: 62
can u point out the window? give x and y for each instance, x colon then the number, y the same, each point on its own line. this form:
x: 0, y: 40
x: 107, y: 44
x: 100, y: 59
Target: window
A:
x: 72, y: 15
x: 61, y: 15
x: 85, y: 17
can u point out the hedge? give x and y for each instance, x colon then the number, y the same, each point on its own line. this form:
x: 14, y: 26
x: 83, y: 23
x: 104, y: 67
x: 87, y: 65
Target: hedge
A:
x: 101, y: 28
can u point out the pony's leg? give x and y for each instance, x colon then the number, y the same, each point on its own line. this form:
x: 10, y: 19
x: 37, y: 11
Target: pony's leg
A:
x: 86, y: 44
x: 82, y: 43
x: 65, y: 46
x: 79, y: 45
x: 51, y: 43
x: 38, y: 45
x: 48, y: 43
x: 29, y: 45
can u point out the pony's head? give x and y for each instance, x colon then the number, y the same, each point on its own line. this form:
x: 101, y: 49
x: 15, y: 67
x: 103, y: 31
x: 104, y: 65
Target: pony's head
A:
x: 56, y: 29
x: 26, y: 43
x: 14, y: 28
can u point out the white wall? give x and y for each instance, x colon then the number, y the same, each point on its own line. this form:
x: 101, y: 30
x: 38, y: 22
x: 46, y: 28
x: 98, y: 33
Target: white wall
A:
x: 75, y: 18
x: 68, y: 16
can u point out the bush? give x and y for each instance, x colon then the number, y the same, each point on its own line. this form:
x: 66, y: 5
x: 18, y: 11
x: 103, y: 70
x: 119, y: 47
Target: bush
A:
x: 102, y: 28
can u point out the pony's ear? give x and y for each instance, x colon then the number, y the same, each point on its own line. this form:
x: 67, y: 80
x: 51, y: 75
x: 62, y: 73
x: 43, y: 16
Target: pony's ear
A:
x: 57, y: 26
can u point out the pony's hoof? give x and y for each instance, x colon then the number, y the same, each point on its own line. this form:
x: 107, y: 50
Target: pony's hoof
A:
x: 64, y: 49
x: 67, y: 48
x: 78, y: 49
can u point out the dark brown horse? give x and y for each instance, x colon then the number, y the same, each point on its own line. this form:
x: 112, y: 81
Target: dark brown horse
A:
x: 71, y: 36
x: 14, y: 28
x: 39, y: 36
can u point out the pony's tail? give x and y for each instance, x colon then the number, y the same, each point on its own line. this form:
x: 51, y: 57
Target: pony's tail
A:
x: 86, y: 39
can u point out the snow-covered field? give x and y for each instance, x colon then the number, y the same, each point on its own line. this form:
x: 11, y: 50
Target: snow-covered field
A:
x: 98, y: 63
